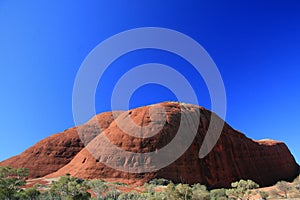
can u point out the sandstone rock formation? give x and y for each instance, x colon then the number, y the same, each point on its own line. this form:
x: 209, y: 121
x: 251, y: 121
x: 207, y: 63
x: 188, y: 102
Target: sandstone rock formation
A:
x: 54, y: 152
x: 233, y: 157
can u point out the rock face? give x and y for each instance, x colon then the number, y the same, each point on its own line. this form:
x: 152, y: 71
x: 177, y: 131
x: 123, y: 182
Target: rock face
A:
x: 234, y: 156
x: 54, y: 152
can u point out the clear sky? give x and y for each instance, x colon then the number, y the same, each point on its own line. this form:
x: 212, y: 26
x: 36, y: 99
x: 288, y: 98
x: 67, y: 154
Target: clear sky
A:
x: 255, y: 44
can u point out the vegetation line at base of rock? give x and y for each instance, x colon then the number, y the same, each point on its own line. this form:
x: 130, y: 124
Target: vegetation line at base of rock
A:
x: 13, y: 187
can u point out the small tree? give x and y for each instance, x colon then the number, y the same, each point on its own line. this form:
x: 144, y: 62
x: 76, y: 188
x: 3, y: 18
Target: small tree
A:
x: 199, y: 192
x: 183, y: 191
x: 263, y: 194
x: 28, y: 194
x: 99, y: 187
x: 68, y: 187
x: 180, y: 191
x: 112, y: 194
x: 170, y: 191
x: 242, y: 188
x: 11, y: 181
x: 296, y: 183
x: 284, y: 187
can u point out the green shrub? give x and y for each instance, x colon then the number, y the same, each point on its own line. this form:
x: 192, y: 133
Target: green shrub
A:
x: 130, y: 195
x: 183, y: 191
x: 11, y: 182
x: 199, y: 192
x: 178, y: 192
x: 99, y: 187
x: 112, y: 194
x: 218, y: 194
x: 241, y: 188
x: 68, y: 187
x: 160, y: 181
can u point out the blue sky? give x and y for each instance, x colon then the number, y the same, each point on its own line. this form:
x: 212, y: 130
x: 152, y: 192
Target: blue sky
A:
x: 255, y: 44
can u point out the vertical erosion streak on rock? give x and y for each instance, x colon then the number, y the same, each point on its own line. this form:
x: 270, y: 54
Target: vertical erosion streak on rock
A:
x: 252, y: 161
x: 141, y: 159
